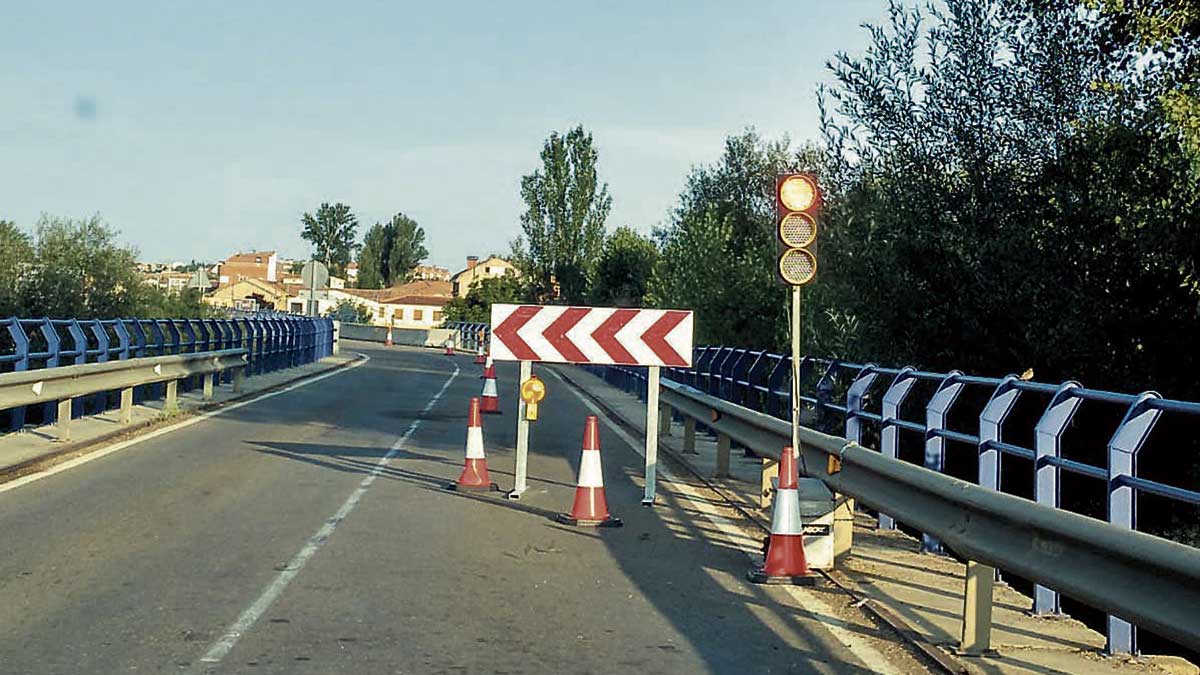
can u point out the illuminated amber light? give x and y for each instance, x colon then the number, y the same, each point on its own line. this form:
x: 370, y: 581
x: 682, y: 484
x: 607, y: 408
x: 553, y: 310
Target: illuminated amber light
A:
x: 797, y: 193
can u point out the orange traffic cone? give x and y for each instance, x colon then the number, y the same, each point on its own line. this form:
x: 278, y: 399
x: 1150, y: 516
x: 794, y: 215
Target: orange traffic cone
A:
x: 784, y: 562
x: 490, y: 405
x: 480, y: 359
x: 475, y: 472
x: 590, y: 508
x: 387, y: 341
x: 450, y: 347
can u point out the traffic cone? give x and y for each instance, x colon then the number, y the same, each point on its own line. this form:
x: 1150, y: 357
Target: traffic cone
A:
x: 590, y: 508
x: 475, y: 472
x: 490, y: 403
x: 449, y: 347
x: 480, y: 359
x: 387, y: 341
x: 784, y: 562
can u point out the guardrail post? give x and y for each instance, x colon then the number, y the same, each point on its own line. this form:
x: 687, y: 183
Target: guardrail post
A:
x: 766, y: 493
x: 689, y: 435
x: 936, y: 412
x: 126, y: 414
x: 171, y: 398
x: 1123, y: 450
x: 63, y: 422
x: 976, y: 637
x: 722, y: 456
x: 239, y: 378
x: 890, y: 433
x: 664, y: 420
x: 208, y: 385
x: 1048, y: 443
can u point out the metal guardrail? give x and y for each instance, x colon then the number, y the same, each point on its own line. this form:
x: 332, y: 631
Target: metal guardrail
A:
x: 1147, y: 580
x: 841, y: 393
x: 270, y: 342
x: 473, y: 337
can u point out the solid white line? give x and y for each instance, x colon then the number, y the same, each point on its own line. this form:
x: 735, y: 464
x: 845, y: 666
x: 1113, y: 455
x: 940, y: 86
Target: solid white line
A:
x: 84, y: 459
x: 248, y: 618
x: 868, y: 655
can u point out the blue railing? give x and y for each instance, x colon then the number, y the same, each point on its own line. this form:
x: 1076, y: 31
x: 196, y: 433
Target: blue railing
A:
x: 841, y: 396
x: 472, y: 336
x: 272, y: 342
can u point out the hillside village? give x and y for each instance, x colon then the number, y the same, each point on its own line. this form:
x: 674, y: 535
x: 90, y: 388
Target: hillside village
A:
x: 261, y: 280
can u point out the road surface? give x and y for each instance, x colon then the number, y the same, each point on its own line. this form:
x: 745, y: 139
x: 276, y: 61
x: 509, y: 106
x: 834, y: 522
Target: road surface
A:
x: 309, y: 532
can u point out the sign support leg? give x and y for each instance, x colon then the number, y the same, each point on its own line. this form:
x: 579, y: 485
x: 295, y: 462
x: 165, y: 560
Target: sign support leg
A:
x: 651, y: 433
x: 520, y: 483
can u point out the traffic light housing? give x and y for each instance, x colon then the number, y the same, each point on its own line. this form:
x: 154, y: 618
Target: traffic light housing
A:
x: 797, y: 211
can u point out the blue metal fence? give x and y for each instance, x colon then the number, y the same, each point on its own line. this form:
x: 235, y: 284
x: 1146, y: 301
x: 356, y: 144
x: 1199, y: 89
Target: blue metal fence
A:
x: 272, y: 342
x: 840, y: 396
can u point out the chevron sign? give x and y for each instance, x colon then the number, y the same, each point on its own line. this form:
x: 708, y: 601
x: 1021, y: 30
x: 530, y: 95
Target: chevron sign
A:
x: 597, y: 335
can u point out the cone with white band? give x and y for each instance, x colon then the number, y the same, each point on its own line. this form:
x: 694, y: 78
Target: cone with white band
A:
x: 387, y: 341
x: 480, y: 358
x: 785, y: 562
x: 591, y: 507
x: 490, y: 398
x: 475, y: 472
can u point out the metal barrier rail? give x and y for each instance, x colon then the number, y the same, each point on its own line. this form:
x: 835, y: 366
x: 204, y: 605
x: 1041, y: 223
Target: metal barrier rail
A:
x: 1144, y: 579
x: 761, y: 381
x: 473, y: 337
x: 59, y: 387
x: 271, y: 342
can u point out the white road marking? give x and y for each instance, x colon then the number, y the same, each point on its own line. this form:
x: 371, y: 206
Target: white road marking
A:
x: 864, y: 652
x: 250, y: 616
x: 84, y: 459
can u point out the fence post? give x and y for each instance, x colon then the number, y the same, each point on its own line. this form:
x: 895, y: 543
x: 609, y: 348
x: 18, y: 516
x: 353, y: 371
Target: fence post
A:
x: 936, y: 412
x: 53, y: 349
x: 1123, y: 450
x: 991, y: 424
x: 1048, y: 443
x: 21, y: 352
x: 889, y: 432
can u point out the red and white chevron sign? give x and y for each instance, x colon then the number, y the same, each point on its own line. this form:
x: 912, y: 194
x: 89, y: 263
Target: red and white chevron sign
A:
x: 598, y: 335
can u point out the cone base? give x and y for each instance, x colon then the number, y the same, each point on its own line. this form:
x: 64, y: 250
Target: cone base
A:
x: 567, y: 519
x: 455, y: 487
x: 757, y: 575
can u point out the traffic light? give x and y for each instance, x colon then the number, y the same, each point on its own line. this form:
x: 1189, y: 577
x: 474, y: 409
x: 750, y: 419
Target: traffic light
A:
x: 797, y: 208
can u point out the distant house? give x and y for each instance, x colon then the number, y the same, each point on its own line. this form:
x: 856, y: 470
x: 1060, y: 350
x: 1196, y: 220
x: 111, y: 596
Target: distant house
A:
x: 352, y: 272
x: 170, y: 282
x: 263, y: 265
x: 430, y: 273
x: 251, y: 295
x: 493, y: 266
x: 418, y: 304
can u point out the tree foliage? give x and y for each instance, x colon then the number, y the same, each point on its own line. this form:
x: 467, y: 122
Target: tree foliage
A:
x: 332, y: 231
x: 16, y: 253
x: 348, y: 311
x: 476, y: 306
x: 623, y: 271
x: 563, y: 224
x: 390, y: 252
x: 718, y: 249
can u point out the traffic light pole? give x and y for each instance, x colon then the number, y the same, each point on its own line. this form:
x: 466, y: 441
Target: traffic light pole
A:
x: 796, y: 370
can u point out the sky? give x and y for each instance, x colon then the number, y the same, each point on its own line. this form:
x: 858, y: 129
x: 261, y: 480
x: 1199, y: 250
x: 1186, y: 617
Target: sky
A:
x: 199, y: 129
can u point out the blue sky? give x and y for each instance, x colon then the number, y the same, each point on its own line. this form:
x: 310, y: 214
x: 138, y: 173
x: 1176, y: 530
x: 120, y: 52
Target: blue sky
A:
x: 198, y: 129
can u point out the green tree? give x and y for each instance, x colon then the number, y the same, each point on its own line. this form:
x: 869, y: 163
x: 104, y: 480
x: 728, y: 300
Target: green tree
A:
x: 332, y: 232
x: 563, y: 224
x: 372, y: 258
x: 390, y: 252
x: 718, y: 250
x: 16, y: 252
x: 624, y: 269
x: 476, y: 307
x: 80, y: 271
x: 350, y: 312
x: 407, y: 249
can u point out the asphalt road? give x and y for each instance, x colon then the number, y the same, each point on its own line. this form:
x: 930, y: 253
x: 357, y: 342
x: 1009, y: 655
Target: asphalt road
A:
x: 310, y: 533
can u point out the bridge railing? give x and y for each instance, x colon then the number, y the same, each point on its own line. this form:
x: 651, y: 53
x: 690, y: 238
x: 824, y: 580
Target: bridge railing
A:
x: 271, y: 342
x: 847, y: 398
x: 473, y: 337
